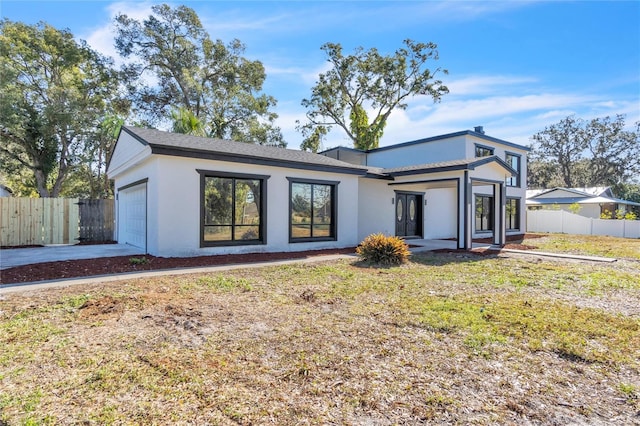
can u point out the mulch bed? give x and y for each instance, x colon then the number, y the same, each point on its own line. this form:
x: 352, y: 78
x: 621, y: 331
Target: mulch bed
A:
x: 121, y: 264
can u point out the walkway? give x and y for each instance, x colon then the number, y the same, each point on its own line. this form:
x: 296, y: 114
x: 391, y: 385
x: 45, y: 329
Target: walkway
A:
x: 26, y: 256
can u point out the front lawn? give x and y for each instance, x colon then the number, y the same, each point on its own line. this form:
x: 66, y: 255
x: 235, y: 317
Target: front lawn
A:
x: 589, y: 245
x: 447, y: 338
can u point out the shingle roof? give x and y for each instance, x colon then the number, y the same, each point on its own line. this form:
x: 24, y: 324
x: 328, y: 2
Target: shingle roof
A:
x: 194, y: 146
x: 463, y: 164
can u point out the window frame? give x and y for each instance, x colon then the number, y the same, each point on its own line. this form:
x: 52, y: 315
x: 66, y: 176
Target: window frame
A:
x: 333, y: 226
x: 477, y: 225
x: 517, y: 216
x: 509, y: 180
x: 262, y: 227
x: 478, y: 146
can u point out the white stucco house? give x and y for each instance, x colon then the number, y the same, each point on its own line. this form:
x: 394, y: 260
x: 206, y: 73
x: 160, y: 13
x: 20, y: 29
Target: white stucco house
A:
x: 591, y: 201
x: 181, y: 195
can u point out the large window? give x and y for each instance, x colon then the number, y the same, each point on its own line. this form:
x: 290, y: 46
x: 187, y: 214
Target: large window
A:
x: 483, y: 151
x: 484, y: 213
x: 513, y: 160
x: 513, y: 214
x: 312, y: 210
x: 233, y: 209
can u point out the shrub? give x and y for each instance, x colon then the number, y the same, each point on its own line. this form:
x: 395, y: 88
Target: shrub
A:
x: 383, y: 249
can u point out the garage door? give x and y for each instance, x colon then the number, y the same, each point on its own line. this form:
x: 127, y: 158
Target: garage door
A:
x: 132, y: 216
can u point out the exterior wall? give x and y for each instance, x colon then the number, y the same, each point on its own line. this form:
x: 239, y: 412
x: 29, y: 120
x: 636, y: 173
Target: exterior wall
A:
x: 441, y: 213
x: 174, y: 201
x: 128, y: 152
x: 375, y: 211
x: 586, y: 210
x: 146, y: 170
x: 422, y: 153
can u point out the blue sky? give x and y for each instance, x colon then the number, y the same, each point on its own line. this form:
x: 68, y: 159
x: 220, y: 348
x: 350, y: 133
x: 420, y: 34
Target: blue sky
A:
x: 514, y: 67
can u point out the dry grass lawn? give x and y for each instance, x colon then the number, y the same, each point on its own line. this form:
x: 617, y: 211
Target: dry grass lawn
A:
x: 446, y: 338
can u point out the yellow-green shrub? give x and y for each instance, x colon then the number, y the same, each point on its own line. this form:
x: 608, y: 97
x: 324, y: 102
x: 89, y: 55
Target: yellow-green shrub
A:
x: 383, y: 249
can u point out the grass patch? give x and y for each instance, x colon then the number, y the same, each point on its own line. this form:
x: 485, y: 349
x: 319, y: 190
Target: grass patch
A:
x: 443, y: 338
x: 588, y: 245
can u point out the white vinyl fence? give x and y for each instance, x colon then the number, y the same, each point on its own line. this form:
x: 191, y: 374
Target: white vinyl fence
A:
x: 561, y: 221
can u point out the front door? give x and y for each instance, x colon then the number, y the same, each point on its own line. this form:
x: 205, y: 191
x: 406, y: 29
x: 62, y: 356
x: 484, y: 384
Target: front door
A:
x: 408, y: 215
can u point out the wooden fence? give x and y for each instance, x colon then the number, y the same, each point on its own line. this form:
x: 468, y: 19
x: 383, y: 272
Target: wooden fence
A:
x: 40, y: 221
x: 97, y: 218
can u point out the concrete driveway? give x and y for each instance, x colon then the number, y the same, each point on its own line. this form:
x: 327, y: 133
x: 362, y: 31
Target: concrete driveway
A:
x: 26, y: 256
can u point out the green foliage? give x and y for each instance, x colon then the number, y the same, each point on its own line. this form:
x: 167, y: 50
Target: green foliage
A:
x: 55, y: 92
x: 575, y: 208
x: 383, y: 249
x: 368, y: 81
x: 215, y: 90
x: 575, y: 153
x: 138, y: 260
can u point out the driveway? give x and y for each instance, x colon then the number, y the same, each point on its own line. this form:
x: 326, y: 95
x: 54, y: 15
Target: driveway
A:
x: 26, y: 256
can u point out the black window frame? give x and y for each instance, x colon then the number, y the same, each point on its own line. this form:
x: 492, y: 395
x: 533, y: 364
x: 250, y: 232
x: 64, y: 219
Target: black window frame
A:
x: 262, y: 227
x: 514, y: 181
x: 489, y: 149
x: 333, y: 227
x: 510, y: 218
x: 478, y: 223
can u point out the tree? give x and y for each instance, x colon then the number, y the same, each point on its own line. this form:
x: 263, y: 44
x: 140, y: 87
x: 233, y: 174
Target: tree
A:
x: 575, y: 152
x: 370, y: 81
x: 55, y: 92
x: 212, y: 81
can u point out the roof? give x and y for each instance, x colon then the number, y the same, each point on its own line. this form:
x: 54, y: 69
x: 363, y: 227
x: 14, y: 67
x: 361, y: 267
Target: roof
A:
x: 587, y: 195
x: 591, y: 191
x: 166, y: 143
x: 443, y: 166
x: 432, y: 139
x: 453, y: 135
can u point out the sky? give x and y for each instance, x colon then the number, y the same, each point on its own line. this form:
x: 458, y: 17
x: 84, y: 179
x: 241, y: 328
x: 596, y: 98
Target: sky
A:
x: 514, y: 67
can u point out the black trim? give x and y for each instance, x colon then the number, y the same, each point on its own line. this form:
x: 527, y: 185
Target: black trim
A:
x: 519, y: 215
x: 518, y: 174
x: 333, y: 229
x: 420, y: 211
x: 491, y: 213
x: 467, y: 245
x: 471, y: 165
x: 136, y: 183
x: 144, y: 182
x: 491, y: 149
x: 248, y: 159
x: 453, y: 135
x: 487, y: 181
x: 262, y: 240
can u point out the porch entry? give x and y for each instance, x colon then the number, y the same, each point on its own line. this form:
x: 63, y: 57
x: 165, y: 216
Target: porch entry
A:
x: 408, y: 214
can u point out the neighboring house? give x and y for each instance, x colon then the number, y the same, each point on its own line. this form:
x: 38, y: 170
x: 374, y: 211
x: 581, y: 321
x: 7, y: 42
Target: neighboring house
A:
x: 591, y: 202
x: 181, y: 195
x: 5, y: 192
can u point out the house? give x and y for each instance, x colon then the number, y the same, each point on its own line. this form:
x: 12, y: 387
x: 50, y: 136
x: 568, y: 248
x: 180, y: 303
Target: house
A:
x: 589, y: 202
x: 182, y: 195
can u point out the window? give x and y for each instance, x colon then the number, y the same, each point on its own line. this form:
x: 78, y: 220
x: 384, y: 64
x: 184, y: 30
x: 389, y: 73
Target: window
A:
x: 484, y: 213
x: 312, y: 210
x: 483, y: 151
x: 232, y: 209
x: 513, y: 160
x: 513, y: 214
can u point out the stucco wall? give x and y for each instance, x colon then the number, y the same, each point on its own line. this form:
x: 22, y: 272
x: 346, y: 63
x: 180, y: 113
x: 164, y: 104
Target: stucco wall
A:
x: 423, y: 153
x: 441, y: 213
x: 174, y: 207
x: 375, y: 211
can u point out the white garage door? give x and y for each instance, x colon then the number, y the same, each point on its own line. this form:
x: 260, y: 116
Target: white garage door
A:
x: 132, y: 216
